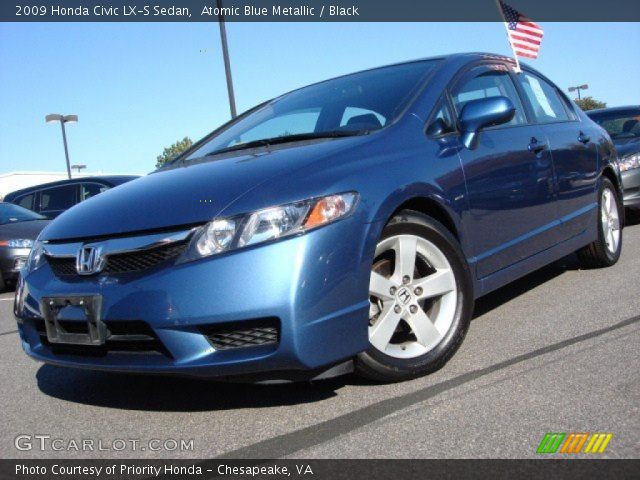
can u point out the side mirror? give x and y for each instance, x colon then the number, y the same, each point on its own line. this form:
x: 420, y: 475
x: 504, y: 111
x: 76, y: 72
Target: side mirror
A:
x: 483, y: 113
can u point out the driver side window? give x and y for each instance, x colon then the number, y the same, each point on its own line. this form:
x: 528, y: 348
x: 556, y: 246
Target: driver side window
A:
x: 487, y: 84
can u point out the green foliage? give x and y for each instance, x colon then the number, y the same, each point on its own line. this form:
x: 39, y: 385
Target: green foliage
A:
x: 171, y: 152
x: 590, y: 103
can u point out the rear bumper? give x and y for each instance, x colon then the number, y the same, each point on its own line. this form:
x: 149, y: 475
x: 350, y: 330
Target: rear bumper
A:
x: 315, y: 287
x: 631, y: 186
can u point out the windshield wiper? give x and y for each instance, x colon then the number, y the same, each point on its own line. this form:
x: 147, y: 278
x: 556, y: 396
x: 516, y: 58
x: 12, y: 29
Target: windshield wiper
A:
x: 298, y: 137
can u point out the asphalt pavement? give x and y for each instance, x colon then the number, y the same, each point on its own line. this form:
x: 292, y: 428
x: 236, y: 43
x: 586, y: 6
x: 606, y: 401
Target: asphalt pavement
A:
x: 558, y: 351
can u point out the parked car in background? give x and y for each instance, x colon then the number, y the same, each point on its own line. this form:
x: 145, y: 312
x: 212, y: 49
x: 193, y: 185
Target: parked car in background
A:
x: 347, y: 224
x: 51, y: 199
x: 19, y: 228
x: 623, y: 125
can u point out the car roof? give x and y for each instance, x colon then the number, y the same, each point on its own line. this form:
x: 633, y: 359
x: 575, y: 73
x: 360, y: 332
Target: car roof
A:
x: 628, y: 108
x: 112, y: 180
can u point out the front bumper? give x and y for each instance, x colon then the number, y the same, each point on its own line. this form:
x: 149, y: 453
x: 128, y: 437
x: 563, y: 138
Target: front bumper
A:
x: 631, y: 186
x: 11, y: 261
x: 314, y: 285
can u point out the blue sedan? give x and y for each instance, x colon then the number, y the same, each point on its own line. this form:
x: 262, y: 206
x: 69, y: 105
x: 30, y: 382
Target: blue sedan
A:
x: 347, y: 225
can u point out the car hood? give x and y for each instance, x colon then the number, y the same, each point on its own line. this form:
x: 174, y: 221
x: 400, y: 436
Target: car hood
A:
x: 186, y: 196
x: 18, y: 230
x: 627, y: 146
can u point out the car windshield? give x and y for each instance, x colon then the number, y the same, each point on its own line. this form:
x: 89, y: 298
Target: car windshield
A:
x: 620, y: 125
x: 10, y: 213
x: 350, y: 105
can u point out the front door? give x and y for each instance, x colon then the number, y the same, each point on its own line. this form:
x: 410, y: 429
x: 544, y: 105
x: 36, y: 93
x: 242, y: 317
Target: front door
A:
x: 509, y: 177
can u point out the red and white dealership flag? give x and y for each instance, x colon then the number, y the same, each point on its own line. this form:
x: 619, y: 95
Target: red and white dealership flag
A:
x: 525, y: 36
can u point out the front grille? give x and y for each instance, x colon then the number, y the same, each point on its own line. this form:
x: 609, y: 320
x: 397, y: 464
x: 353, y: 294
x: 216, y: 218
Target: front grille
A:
x: 131, y: 336
x: 252, y: 333
x: 123, y: 262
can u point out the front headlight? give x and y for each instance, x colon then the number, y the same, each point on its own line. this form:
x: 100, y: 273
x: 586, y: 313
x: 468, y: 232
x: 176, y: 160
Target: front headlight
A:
x: 629, y: 162
x: 17, y: 243
x: 226, y: 234
x: 35, y: 257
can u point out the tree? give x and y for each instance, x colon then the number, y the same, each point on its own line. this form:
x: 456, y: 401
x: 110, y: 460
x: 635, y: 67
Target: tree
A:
x: 171, y: 152
x: 590, y: 103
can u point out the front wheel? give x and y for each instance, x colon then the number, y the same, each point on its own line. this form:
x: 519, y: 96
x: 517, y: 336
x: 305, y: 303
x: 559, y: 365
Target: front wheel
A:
x: 605, y: 250
x: 421, y: 300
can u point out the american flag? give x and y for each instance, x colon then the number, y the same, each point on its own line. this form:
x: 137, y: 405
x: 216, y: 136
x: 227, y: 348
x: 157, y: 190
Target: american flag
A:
x: 525, y: 36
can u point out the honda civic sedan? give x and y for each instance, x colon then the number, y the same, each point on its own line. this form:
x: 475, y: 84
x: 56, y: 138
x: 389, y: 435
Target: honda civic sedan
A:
x: 347, y: 225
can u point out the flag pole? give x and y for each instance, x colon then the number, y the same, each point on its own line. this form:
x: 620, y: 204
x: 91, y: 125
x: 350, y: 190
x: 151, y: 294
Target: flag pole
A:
x: 506, y: 27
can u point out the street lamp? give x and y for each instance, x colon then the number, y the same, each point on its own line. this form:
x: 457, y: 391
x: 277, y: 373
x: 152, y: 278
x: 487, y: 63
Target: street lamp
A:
x: 225, y: 56
x: 56, y: 117
x: 577, y: 88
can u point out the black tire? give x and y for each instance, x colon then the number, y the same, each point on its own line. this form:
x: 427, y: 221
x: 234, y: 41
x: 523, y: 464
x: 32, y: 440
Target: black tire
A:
x: 596, y: 254
x: 378, y: 366
x: 2, y: 284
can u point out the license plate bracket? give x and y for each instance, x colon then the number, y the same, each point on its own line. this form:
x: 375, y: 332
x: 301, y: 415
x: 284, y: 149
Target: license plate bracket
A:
x: 90, y: 304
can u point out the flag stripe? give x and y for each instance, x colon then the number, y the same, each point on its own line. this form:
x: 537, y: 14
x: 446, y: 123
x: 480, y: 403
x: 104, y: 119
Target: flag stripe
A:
x: 525, y: 36
x: 516, y: 37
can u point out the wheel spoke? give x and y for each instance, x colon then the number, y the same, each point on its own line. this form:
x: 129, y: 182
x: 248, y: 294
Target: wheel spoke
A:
x: 436, y: 284
x: 380, y: 286
x: 611, y: 240
x: 607, y: 201
x: 615, y: 223
x: 381, y: 332
x: 405, y: 248
x: 423, y: 328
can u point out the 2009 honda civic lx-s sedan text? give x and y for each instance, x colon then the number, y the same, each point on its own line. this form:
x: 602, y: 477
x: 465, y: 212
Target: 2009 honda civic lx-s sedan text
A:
x: 349, y: 224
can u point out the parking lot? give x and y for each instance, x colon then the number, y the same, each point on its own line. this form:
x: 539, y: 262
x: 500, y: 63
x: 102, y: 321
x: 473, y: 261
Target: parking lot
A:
x: 557, y: 351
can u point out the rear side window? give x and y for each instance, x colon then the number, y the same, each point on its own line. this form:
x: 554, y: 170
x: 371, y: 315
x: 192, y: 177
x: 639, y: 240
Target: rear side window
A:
x: 487, y: 84
x: 88, y: 190
x: 545, y: 101
x: 25, y: 201
x: 58, y: 198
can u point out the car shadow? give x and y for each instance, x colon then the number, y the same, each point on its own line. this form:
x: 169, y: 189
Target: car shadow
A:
x: 513, y: 290
x: 172, y: 394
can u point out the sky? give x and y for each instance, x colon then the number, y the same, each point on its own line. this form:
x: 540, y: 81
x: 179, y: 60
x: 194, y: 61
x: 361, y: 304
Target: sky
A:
x: 139, y: 87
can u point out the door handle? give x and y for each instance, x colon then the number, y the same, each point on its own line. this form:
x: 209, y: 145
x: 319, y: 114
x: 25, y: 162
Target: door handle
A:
x: 582, y: 138
x: 535, y: 146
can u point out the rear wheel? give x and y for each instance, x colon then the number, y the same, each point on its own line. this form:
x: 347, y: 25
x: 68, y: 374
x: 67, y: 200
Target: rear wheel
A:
x: 421, y: 300
x: 605, y: 250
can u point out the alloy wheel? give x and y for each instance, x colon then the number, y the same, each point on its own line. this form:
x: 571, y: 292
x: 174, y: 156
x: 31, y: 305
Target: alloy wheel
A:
x: 610, y: 220
x: 413, y: 296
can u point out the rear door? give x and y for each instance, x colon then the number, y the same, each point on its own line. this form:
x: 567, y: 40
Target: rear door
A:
x: 509, y: 177
x: 575, y: 156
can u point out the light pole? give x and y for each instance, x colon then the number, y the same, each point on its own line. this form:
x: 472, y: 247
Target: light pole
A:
x: 56, y: 117
x: 577, y: 88
x: 227, y: 63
